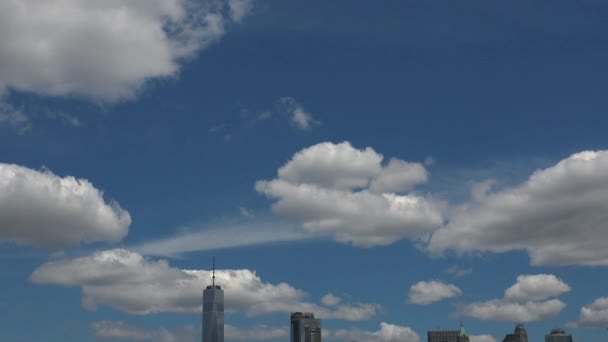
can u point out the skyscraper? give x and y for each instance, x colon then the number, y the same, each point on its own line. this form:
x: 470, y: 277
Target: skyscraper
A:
x: 558, y: 335
x: 305, y: 328
x: 448, y: 335
x: 519, y: 335
x: 213, y: 312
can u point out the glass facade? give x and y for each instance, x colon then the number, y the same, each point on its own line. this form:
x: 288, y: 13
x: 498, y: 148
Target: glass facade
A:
x: 443, y: 336
x: 213, y: 314
x: 305, y: 328
x: 447, y: 336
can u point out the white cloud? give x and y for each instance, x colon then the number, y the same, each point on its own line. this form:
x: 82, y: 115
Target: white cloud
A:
x: 328, y: 165
x: 246, y: 212
x: 221, y: 236
x: 15, y: 118
x: 482, y: 338
x: 325, y: 189
x: 299, y: 117
x: 427, y: 292
x: 59, y: 47
x: 128, y: 282
x: 349, y: 312
x: 65, y: 118
x: 459, y: 272
x: 118, y: 330
x: 502, y: 310
x: 558, y: 216
x: 387, y: 333
x: 595, y: 314
x: 285, y: 108
x: 525, y: 301
x: 480, y: 190
x: 330, y: 300
x: 399, y: 176
x: 256, y: 332
x: 239, y: 9
x: 41, y: 209
x: 536, y: 287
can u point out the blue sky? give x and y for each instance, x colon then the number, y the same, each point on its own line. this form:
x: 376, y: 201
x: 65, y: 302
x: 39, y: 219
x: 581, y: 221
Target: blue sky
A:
x: 393, y: 167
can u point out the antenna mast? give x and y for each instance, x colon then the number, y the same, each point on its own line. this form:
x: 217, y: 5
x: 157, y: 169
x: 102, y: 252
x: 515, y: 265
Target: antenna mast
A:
x: 213, y: 278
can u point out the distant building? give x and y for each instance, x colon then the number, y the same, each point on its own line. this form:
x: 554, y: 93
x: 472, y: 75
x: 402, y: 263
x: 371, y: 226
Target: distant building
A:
x: 448, y: 335
x: 213, y: 312
x: 305, y: 328
x: 519, y: 335
x: 558, y: 335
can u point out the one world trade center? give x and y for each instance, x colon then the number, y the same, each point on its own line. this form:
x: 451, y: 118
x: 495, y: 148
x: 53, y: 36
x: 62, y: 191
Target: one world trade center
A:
x: 213, y: 312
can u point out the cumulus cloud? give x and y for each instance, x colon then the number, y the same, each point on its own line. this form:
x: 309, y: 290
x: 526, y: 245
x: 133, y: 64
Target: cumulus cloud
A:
x: 427, y: 292
x: 128, y: 282
x: 595, y: 314
x: 399, y: 176
x: 502, y: 310
x: 14, y: 118
x: 349, y: 312
x: 118, y: 330
x: 42, y: 209
x: 525, y: 301
x: 536, y: 287
x: 221, y: 236
x: 326, y: 189
x: 336, y: 166
x: 299, y: 117
x: 59, y: 47
x: 256, y: 332
x: 387, y: 333
x: 330, y: 300
x: 558, y: 216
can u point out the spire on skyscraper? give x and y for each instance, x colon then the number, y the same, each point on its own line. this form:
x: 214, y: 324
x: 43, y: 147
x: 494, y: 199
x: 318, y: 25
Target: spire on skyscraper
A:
x: 462, y: 332
x: 213, y: 311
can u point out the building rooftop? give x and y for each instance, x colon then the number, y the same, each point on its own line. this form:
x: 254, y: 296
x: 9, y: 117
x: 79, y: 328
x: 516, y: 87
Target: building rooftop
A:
x: 558, y: 332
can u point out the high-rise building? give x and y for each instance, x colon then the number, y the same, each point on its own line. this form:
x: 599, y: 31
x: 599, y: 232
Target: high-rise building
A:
x: 305, y: 328
x: 558, y: 335
x: 448, y: 335
x: 213, y: 312
x: 519, y: 335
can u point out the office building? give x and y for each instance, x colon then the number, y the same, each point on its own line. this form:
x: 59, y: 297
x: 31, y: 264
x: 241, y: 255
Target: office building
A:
x: 448, y: 335
x: 558, y: 335
x: 213, y: 312
x: 305, y: 328
x: 519, y: 335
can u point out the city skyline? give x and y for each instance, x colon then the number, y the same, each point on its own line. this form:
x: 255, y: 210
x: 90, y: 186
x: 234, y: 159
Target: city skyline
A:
x: 394, y: 168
